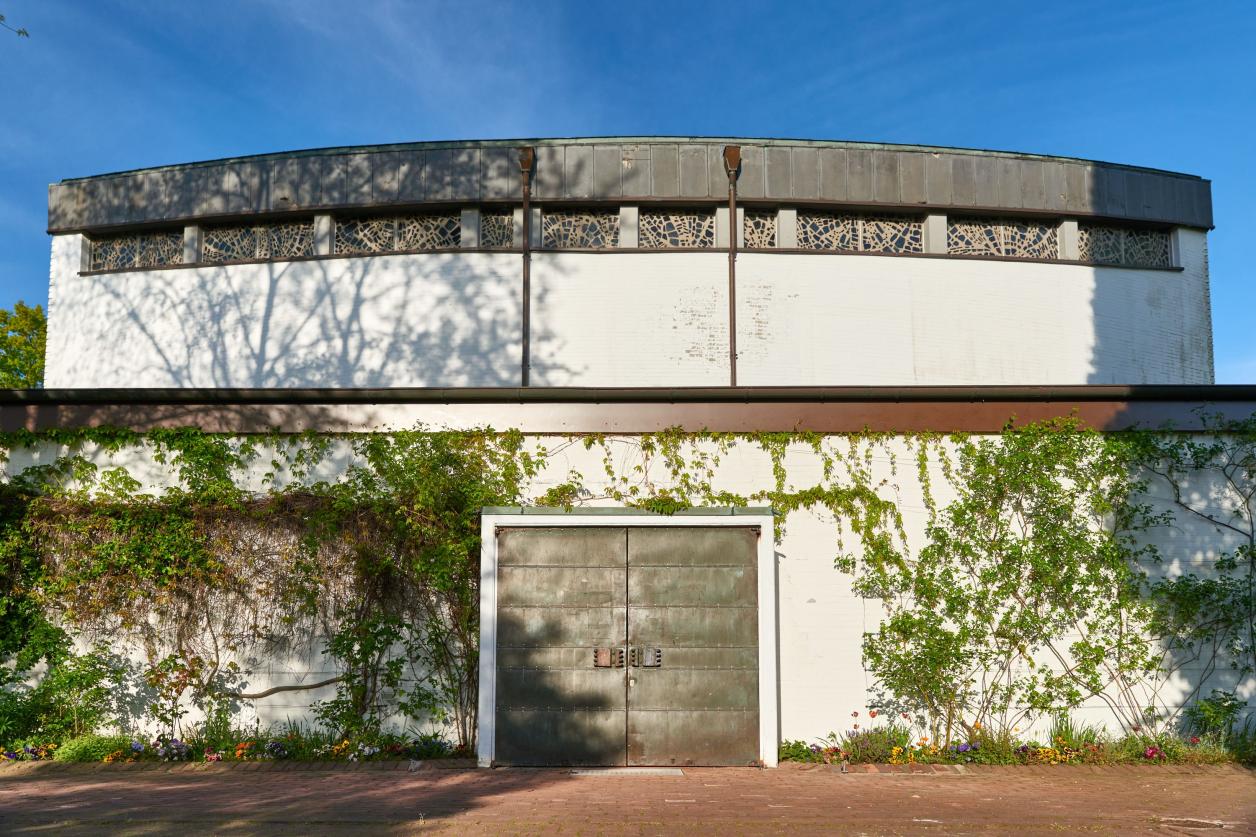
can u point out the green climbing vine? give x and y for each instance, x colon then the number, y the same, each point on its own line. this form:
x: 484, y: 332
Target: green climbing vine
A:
x: 215, y: 553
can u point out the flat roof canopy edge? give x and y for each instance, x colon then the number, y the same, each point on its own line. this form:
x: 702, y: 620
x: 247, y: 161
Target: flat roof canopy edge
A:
x: 596, y: 395
x: 573, y: 412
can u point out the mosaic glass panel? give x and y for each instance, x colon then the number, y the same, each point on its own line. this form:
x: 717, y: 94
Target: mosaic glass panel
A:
x: 155, y: 249
x: 827, y: 231
x: 759, y: 230
x: 160, y: 248
x: 1132, y: 248
x: 1030, y: 240
x: 860, y: 233
x: 565, y: 229
x: 890, y: 234
x: 497, y: 229
x: 429, y: 232
x: 975, y: 237
x: 1147, y: 248
x: 286, y: 241
x: 664, y: 229
x: 1101, y: 245
x: 365, y: 235
x: 115, y: 253
x: 229, y: 244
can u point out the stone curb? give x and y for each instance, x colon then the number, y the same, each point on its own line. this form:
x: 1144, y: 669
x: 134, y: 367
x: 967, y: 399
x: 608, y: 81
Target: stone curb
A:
x: 1019, y: 769
x: 437, y: 765
x: 52, y: 767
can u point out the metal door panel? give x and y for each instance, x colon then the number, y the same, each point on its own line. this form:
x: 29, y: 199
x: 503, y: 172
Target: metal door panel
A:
x: 695, y: 627
x: 689, y: 689
x: 682, y: 585
x: 580, y: 737
x: 576, y: 546
x: 544, y: 657
x: 693, y: 738
x: 693, y: 595
x: 572, y: 627
x: 561, y: 586
x: 711, y: 659
x: 564, y: 690
x: 561, y: 593
x: 703, y: 545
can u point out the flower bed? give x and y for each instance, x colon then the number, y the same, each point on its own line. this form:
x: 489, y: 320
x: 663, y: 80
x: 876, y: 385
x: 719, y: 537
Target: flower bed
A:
x: 293, y: 745
x: 897, y: 742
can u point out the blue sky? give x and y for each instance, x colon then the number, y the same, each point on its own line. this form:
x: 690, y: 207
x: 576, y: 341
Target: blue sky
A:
x: 104, y: 86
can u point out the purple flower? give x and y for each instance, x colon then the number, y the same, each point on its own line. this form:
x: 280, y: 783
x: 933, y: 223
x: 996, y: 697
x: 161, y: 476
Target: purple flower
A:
x: 137, y: 747
x: 963, y: 748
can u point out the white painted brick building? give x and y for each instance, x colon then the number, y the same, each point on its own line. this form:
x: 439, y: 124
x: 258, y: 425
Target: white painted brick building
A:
x: 896, y: 288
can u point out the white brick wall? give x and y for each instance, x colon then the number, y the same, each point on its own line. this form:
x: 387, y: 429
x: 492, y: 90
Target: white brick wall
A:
x: 820, y: 621
x: 629, y: 319
x: 875, y: 320
x: 404, y: 321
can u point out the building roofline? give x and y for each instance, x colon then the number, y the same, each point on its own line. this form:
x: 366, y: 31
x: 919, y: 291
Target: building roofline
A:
x: 767, y: 142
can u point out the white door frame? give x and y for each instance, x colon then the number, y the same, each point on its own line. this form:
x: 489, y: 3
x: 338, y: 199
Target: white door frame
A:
x: 492, y: 520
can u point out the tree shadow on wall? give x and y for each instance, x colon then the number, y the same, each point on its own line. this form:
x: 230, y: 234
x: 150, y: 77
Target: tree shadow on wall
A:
x: 451, y: 319
x: 405, y: 320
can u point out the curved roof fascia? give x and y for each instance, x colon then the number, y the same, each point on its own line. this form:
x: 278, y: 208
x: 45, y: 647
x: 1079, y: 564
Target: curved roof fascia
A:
x: 628, y: 169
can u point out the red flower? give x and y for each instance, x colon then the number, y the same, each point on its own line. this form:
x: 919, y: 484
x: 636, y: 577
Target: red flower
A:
x: 1194, y: 739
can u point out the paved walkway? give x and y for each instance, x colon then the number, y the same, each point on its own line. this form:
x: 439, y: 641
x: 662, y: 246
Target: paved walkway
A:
x: 309, y: 800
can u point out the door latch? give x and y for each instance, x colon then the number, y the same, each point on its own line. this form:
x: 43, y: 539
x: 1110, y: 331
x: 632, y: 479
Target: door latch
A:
x: 608, y: 658
x: 646, y: 657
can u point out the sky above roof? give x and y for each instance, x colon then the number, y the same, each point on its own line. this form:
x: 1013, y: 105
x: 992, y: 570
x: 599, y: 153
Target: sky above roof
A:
x: 111, y: 85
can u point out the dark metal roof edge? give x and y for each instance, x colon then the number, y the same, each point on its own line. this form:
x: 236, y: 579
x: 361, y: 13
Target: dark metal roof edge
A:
x: 628, y: 395
x: 510, y: 143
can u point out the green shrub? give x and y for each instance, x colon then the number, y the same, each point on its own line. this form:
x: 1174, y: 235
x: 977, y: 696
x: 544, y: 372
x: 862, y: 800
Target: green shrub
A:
x: 876, y: 745
x: 1242, y: 744
x: 92, y: 748
x: 1215, y: 715
x: 798, y: 751
x: 1067, y: 733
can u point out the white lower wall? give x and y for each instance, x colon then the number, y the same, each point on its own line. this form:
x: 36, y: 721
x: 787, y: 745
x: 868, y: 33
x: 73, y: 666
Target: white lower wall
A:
x: 821, y: 623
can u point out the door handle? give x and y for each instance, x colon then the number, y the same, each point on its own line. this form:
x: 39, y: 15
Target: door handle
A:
x: 641, y: 657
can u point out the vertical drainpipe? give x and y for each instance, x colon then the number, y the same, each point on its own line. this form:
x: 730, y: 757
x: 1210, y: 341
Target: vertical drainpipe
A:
x: 527, y: 156
x: 732, y: 163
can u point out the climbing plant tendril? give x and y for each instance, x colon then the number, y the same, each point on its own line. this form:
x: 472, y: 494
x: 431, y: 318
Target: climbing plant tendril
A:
x: 365, y: 548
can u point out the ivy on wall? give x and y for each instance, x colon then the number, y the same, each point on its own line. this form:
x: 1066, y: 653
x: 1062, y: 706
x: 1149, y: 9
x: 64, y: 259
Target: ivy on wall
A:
x: 1026, y: 595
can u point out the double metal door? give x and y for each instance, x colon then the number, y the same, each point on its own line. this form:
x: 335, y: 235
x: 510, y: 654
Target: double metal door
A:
x: 627, y: 646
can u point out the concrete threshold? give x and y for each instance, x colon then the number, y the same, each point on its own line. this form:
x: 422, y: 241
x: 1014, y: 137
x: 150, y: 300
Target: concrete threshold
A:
x: 628, y: 771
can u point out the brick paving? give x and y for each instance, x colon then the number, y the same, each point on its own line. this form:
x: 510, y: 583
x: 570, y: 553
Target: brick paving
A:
x: 289, y: 799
